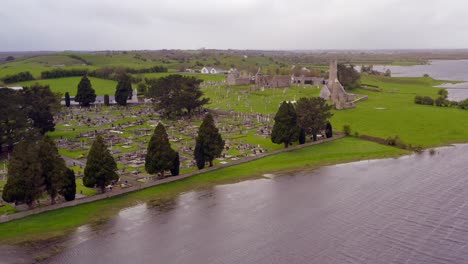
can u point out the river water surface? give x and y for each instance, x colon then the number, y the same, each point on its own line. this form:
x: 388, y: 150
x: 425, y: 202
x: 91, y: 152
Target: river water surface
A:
x: 413, y: 209
x: 451, y: 70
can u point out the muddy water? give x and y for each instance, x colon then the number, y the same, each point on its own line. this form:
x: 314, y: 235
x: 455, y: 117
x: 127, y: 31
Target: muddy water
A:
x: 408, y: 210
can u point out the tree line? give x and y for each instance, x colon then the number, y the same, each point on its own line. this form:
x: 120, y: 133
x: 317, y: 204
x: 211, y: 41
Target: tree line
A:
x: 294, y: 121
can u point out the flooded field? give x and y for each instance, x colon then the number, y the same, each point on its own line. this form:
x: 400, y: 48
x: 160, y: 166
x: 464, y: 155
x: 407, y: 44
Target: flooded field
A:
x: 412, y: 209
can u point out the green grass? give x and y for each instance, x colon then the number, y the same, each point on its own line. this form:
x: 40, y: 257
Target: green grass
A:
x: 418, y: 125
x: 242, y: 99
x: 59, y: 222
x: 70, y: 84
x: 204, y: 77
x: 81, y: 189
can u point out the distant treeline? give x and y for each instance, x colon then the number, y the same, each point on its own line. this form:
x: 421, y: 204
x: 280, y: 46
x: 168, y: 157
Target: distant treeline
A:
x: 76, y: 57
x: 19, y: 77
x: 104, y: 73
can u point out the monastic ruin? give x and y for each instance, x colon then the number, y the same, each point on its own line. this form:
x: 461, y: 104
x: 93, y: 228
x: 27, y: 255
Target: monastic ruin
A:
x: 236, y: 78
x: 334, y: 91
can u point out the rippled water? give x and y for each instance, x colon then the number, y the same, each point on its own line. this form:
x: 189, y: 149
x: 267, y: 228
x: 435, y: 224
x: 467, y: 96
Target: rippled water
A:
x: 412, y: 209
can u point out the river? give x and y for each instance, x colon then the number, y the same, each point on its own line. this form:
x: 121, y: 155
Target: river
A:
x: 450, y: 70
x: 413, y: 209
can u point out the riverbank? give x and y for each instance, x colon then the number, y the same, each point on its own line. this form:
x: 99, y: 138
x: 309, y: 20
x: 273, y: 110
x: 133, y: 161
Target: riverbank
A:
x: 59, y: 222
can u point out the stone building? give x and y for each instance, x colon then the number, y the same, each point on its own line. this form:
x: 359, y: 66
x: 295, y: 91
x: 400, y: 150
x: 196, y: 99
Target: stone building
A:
x: 303, y: 80
x: 334, y: 91
x: 235, y: 78
x: 272, y: 81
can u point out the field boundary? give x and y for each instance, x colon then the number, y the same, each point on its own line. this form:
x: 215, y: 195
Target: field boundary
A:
x: 114, y: 193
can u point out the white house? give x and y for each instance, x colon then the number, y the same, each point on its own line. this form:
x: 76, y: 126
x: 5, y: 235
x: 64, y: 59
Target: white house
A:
x: 16, y: 88
x: 211, y: 70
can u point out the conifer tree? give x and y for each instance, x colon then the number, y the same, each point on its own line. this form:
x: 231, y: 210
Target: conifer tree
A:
x: 160, y: 156
x: 25, y: 181
x: 123, y: 91
x: 302, y: 137
x: 176, y: 165
x: 106, y: 100
x: 54, y: 170
x: 328, y: 130
x: 285, y: 130
x: 85, y: 94
x: 67, y: 99
x: 313, y: 114
x: 69, y: 187
x: 209, y: 143
x: 100, y: 168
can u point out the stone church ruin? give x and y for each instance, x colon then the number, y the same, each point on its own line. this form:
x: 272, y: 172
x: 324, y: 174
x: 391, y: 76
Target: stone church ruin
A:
x: 334, y: 91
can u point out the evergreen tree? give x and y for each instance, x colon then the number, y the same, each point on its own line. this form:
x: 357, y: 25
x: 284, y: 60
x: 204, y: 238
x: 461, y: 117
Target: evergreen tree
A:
x: 160, y: 156
x: 302, y: 136
x: 123, y: 91
x: 328, y: 130
x: 69, y: 187
x: 106, y: 100
x: 209, y: 142
x: 313, y: 114
x: 40, y: 105
x: 54, y: 170
x: 100, y: 167
x: 25, y: 181
x: 285, y: 130
x: 67, y: 99
x: 199, y: 157
x: 85, y: 94
x: 176, y: 167
x: 14, y: 122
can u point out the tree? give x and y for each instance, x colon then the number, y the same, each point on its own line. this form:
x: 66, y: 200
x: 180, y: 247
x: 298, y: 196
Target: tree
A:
x: 54, y: 170
x: 67, y: 99
x: 302, y: 136
x: 160, y: 156
x: 14, y: 122
x: 10, y: 58
x: 348, y: 76
x: 285, y: 130
x: 209, y: 143
x: 100, y: 168
x: 175, y: 94
x: 313, y: 114
x: 176, y: 165
x: 85, y: 94
x: 123, y: 91
x: 69, y: 187
x: 40, y: 105
x: 25, y: 182
x: 199, y: 157
x: 106, y: 100
x: 328, y: 130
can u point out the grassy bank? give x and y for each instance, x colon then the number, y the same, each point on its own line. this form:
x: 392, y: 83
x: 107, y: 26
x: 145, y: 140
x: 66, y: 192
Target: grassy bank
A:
x: 60, y: 222
x: 393, y: 112
x: 70, y: 84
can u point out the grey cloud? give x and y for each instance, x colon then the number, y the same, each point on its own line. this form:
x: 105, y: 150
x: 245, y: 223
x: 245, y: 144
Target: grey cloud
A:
x: 253, y: 24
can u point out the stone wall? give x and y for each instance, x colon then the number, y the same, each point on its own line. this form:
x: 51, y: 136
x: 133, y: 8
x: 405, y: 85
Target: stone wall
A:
x: 273, y: 81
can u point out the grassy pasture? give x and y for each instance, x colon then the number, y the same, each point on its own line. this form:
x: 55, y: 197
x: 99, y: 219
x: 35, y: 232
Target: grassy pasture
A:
x: 393, y: 112
x: 70, y: 84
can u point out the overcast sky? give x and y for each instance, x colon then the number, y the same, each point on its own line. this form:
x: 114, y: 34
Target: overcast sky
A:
x: 235, y: 24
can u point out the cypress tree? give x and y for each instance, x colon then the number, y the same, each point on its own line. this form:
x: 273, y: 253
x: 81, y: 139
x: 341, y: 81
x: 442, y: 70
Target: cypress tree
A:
x: 69, y: 187
x: 100, y: 167
x: 285, y: 130
x: 302, y: 137
x: 176, y: 166
x: 67, y: 99
x: 106, y: 100
x: 25, y: 181
x: 160, y: 156
x: 313, y: 114
x: 199, y: 157
x: 85, y: 94
x: 54, y: 170
x: 123, y: 91
x: 329, y: 130
x: 209, y: 142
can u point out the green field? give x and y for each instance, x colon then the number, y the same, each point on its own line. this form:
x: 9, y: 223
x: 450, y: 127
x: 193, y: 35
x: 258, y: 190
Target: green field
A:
x: 70, y: 84
x: 393, y: 112
x: 242, y: 99
x: 59, y: 222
